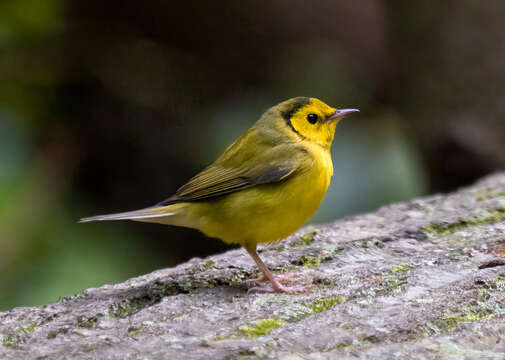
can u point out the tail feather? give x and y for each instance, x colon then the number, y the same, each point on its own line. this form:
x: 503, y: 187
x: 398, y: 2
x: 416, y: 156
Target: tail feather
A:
x: 151, y: 212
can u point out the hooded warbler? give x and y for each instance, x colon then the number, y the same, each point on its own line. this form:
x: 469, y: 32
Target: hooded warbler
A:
x: 264, y: 186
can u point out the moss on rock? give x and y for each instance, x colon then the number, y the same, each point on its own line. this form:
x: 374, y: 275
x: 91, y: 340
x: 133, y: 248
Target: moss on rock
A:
x: 260, y: 327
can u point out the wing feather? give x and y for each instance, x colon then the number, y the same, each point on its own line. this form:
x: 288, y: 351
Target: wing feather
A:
x: 274, y: 165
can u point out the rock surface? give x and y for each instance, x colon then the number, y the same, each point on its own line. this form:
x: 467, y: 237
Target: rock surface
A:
x: 424, y: 280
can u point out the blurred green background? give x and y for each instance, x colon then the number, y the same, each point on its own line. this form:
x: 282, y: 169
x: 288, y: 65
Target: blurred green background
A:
x: 108, y: 106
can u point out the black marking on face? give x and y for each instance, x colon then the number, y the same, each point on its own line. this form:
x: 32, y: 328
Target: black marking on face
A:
x: 294, y: 106
x: 288, y: 122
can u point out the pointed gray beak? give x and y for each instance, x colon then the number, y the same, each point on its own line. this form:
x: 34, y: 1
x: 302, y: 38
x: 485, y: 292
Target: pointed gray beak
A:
x: 341, y: 113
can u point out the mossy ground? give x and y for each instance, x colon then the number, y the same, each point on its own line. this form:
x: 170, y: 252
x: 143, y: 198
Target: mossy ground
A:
x: 306, y: 239
x: 7, y: 340
x: 131, y: 306
x: 309, y: 262
x: 484, y: 217
x: 87, y: 322
x: 260, y: 327
x: 377, y: 286
x: 29, y: 329
x: 208, y: 265
x: 132, y: 331
x: 470, y: 316
x: 321, y: 305
x: 401, y: 268
x: 492, y: 195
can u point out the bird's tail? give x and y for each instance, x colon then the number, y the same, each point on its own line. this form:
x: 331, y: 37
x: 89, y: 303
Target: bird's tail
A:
x: 139, y: 215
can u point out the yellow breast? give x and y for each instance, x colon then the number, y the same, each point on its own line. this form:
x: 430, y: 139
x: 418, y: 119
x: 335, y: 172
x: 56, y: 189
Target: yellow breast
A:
x: 269, y: 212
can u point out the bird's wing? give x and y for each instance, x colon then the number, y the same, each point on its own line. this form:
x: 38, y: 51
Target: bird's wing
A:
x: 273, y: 165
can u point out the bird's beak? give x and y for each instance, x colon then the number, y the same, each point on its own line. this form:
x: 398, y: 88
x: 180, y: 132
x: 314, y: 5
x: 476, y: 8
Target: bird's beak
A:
x: 341, y: 113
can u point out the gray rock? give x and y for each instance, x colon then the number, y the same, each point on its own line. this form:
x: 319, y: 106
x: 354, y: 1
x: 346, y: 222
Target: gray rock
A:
x: 403, y: 282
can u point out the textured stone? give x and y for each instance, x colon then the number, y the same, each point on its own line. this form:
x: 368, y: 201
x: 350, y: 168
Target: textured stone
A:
x: 401, y: 282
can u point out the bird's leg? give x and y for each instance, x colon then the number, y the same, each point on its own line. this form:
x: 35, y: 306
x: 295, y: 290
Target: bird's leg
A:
x: 274, y: 280
x: 276, y: 285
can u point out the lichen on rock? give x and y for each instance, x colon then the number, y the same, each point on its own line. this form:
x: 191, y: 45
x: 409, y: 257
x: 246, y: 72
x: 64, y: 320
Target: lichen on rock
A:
x: 404, y: 280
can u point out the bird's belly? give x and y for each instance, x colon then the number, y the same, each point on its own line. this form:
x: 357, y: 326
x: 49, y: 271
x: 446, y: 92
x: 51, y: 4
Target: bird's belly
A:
x: 264, y: 213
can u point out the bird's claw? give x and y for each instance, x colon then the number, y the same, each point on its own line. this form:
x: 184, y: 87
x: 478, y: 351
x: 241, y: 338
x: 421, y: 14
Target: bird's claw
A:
x: 277, y: 286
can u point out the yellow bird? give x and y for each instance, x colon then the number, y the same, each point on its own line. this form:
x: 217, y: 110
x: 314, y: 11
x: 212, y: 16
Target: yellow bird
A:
x: 264, y: 187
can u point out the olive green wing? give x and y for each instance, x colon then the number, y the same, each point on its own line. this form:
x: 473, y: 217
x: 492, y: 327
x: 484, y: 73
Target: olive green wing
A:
x: 221, y: 178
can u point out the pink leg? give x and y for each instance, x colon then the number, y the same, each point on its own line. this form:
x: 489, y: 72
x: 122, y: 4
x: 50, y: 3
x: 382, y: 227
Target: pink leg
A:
x: 276, y: 284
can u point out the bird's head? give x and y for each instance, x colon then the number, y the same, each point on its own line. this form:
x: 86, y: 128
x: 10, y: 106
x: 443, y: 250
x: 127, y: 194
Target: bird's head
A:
x: 311, y: 119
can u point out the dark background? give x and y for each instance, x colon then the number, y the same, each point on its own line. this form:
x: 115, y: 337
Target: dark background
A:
x: 111, y: 105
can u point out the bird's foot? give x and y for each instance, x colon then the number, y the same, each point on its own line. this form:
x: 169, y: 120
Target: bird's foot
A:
x: 276, y: 286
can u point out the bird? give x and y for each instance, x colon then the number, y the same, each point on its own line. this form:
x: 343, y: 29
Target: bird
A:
x: 263, y: 187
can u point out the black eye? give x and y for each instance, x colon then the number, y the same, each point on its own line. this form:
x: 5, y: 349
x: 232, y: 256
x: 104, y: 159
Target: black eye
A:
x: 312, y: 118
